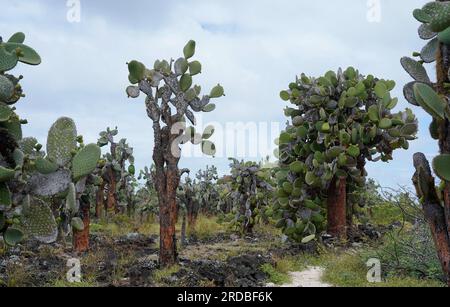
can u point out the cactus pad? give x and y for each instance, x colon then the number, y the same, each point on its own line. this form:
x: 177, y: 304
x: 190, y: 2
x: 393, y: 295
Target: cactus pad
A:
x: 217, y: 92
x: 13, y: 236
x: 181, y: 66
x: 441, y: 19
x: 429, y: 52
x: 44, y: 166
x: 189, y: 49
x: 137, y: 70
x: 51, y: 184
x: 85, y: 161
x: 26, y: 54
x: 71, y: 199
x: 429, y: 100
x: 195, y: 68
x: 62, y: 141
x: 18, y: 37
x: 5, y: 196
x: 5, y: 112
x: 441, y: 166
x: 38, y: 221
x: 415, y: 70
x: 8, y: 60
x: 408, y: 92
x: 185, y: 82
x: 6, y: 88
x: 425, y: 32
x: 27, y: 145
x: 444, y: 36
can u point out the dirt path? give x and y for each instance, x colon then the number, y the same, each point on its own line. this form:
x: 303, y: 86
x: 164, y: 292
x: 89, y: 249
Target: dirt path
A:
x: 310, y: 278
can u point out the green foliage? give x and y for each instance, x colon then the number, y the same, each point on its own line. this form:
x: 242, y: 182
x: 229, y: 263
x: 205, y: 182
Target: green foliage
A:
x: 338, y: 121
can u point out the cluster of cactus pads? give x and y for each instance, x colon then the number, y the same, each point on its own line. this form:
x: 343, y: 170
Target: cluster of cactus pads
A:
x: 338, y: 122
x: 251, y: 192
x: 435, y: 27
x: 28, y: 176
x: 177, y: 90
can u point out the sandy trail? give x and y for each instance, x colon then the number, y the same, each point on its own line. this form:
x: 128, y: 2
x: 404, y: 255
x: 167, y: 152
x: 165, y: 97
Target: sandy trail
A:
x: 310, y: 278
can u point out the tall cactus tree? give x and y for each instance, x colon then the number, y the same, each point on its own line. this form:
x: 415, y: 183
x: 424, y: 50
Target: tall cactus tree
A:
x: 338, y: 122
x: 251, y: 192
x: 170, y: 99
x: 434, y: 99
x: 116, y: 171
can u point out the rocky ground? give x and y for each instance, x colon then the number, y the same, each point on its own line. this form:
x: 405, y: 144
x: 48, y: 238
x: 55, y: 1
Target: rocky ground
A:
x: 130, y: 260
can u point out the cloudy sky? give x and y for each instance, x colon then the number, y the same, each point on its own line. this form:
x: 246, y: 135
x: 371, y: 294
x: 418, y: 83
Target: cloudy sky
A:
x: 254, y: 48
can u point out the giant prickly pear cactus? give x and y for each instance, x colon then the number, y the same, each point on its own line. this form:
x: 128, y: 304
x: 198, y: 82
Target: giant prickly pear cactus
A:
x: 18, y: 155
x: 434, y: 99
x: 337, y: 123
x: 65, y: 171
x: 117, y: 172
x: 170, y: 99
x: 206, y: 191
x: 252, y: 193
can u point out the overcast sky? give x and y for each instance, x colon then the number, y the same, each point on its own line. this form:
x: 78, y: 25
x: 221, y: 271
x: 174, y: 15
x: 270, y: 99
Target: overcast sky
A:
x: 254, y: 48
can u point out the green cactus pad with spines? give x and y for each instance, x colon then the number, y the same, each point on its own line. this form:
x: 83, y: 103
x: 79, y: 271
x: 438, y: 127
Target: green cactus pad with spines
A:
x: 441, y: 166
x: 85, y: 161
x: 5, y: 196
x: 71, y: 199
x: 137, y: 71
x: 415, y: 70
x: 13, y: 236
x: 185, y: 82
x: 441, y: 19
x: 26, y: 55
x: 62, y: 141
x: 14, y: 127
x: 5, y: 112
x: 44, y: 166
x: 421, y: 16
x: 189, y: 50
x: 217, y: 92
x: 429, y: 52
x: 18, y: 38
x: 8, y: 60
x: 434, y: 129
x: 408, y: 92
x: 6, y: 174
x: 429, y: 100
x: 209, y: 108
x: 27, y: 145
x: 6, y: 88
x: 425, y: 32
x: 38, y: 221
x: 195, y: 68
x: 181, y: 66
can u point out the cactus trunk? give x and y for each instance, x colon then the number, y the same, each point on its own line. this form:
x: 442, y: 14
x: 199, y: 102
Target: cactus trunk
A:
x: 112, y: 202
x: 337, y: 208
x: 192, y: 214
x: 100, y: 201
x: 81, y: 238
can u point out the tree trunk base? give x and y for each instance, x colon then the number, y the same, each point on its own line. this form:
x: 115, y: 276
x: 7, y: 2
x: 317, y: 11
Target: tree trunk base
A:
x: 337, y: 209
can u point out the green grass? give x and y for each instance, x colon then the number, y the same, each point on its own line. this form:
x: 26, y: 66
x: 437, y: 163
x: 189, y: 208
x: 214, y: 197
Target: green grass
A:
x: 274, y: 275
x: 160, y: 275
x: 349, y: 270
x: 207, y: 227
